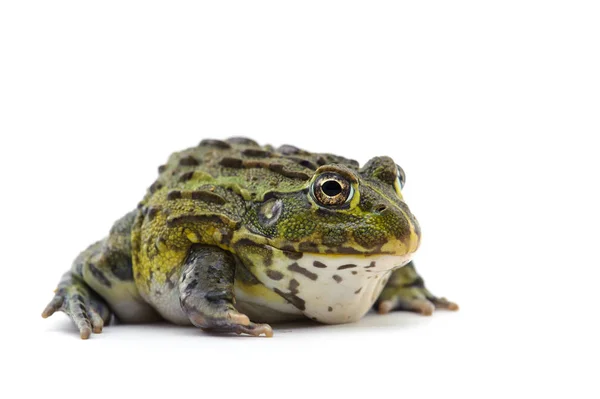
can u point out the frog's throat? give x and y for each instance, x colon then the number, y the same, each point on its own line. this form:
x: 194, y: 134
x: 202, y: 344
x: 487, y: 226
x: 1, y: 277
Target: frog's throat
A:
x: 328, y: 288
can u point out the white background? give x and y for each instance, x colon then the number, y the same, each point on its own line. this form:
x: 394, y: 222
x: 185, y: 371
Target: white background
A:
x: 492, y: 109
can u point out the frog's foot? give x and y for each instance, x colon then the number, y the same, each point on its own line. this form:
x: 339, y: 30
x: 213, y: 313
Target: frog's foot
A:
x: 226, y: 320
x: 73, y: 297
x: 414, y: 299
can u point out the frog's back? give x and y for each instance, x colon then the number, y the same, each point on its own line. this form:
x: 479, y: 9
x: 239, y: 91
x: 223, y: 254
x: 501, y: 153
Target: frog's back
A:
x: 241, y: 165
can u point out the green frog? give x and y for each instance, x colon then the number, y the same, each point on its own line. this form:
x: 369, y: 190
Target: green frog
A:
x: 233, y: 235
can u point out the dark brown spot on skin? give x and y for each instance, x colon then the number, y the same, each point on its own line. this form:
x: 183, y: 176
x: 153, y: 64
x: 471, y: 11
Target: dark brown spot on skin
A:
x: 191, y: 285
x: 349, y: 266
x: 174, y: 195
x: 358, y: 290
x: 242, y: 141
x: 255, y: 152
x: 242, y: 274
x: 337, y: 278
x: 218, y: 296
x: 219, y: 219
x: 207, y: 196
x: 308, y: 247
x: 293, y: 286
x: 295, y: 267
x: 330, y: 309
x: 152, y: 212
x: 249, y: 164
x: 371, y: 265
x: 186, y: 176
x: 274, y: 275
x: 155, y: 187
x: 229, y: 162
x: 287, y: 149
x: 268, y: 258
x: 348, y: 250
x: 99, y: 275
x: 314, y: 319
x: 291, y: 253
x: 279, y: 168
x: 122, y: 268
x: 354, y: 272
x: 215, y: 143
x: 304, y: 162
x: 226, y: 237
x: 189, y: 161
x: 319, y: 265
x: 321, y: 161
x: 291, y: 298
x: 162, y: 168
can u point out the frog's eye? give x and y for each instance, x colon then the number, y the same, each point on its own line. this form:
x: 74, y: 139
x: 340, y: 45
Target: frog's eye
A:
x: 401, y: 177
x: 331, y: 189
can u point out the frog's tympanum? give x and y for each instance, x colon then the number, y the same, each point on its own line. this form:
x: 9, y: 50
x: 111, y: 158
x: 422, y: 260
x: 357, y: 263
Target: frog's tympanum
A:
x: 233, y: 235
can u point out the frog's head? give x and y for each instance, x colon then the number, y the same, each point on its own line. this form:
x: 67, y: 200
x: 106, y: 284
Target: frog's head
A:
x: 341, y: 211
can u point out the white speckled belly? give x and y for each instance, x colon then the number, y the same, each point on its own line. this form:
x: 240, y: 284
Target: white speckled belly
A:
x: 331, y: 289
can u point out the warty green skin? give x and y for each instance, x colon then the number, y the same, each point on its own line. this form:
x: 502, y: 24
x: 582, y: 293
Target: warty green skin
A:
x: 231, y: 229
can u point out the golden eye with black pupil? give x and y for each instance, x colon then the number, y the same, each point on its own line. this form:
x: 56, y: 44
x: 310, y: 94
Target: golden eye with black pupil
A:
x: 331, y: 189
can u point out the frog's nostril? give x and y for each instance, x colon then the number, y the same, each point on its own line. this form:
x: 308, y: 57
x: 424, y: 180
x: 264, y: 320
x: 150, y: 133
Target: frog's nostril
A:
x: 380, y: 208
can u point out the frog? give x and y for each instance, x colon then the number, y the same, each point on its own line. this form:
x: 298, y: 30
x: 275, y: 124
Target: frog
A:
x: 234, y: 236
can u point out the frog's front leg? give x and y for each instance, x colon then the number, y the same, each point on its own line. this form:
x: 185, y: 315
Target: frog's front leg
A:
x: 74, y: 297
x: 406, y: 290
x: 206, y: 293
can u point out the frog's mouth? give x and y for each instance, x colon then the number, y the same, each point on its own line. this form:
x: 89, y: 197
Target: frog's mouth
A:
x: 397, y: 247
x: 330, y: 288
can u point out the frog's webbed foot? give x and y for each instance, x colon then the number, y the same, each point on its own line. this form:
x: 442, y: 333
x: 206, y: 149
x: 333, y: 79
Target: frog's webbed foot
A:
x: 86, y: 309
x: 206, y: 293
x: 406, y: 290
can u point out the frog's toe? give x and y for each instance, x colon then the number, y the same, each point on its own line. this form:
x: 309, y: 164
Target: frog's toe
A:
x: 443, y: 303
x: 241, y: 324
x: 54, y: 305
x: 230, y: 321
x: 255, y: 329
x: 418, y: 300
x: 96, y: 321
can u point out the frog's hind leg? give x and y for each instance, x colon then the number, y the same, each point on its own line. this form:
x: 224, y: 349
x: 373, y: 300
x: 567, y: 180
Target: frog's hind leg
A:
x: 405, y: 290
x: 206, y: 292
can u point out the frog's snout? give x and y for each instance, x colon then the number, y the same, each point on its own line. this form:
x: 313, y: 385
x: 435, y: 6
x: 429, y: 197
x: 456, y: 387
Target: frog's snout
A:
x: 403, y: 227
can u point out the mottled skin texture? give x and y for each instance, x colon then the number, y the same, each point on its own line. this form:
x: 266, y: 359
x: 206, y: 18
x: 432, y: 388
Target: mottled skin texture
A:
x: 280, y: 229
